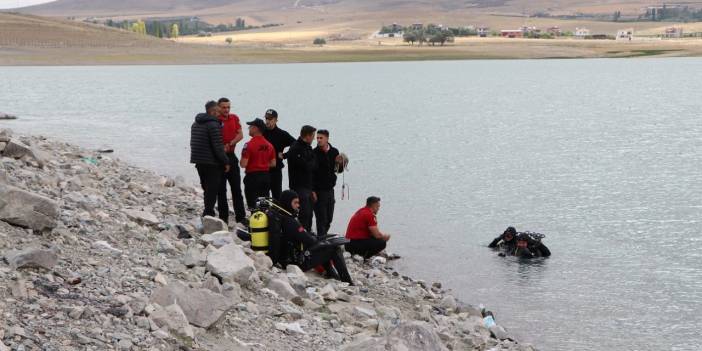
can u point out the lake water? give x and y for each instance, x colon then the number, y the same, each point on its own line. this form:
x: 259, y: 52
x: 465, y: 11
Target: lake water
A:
x: 603, y: 156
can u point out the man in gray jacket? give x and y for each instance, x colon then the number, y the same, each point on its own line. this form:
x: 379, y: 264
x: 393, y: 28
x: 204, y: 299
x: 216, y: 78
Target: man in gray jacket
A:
x: 207, y: 153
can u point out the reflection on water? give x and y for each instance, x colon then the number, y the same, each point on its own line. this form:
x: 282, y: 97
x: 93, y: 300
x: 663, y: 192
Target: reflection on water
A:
x: 602, y: 156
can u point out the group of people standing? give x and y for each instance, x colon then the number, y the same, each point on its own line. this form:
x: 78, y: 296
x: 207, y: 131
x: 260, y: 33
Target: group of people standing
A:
x: 312, y: 172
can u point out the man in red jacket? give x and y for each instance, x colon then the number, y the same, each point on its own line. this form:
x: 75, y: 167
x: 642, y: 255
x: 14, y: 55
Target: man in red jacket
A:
x: 366, y: 239
x: 231, y: 135
x: 257, y: 158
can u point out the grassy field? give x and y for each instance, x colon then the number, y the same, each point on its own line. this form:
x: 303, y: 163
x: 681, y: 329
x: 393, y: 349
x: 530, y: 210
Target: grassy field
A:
x: 32, y: 40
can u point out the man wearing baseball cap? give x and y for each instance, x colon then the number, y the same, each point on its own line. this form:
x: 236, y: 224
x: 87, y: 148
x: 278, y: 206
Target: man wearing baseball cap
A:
x: 257, y: 158
x: 280, y: 140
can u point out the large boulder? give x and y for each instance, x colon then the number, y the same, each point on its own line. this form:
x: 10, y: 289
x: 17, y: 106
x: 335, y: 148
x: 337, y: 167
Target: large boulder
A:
x: 217, y: 239
x: 25, y: 209
x: 31, y: 258
x: 414, y: 336
x: 5, y: 135
x: 212, y: 225
x: 174, y: 319
x: 230, y: 264
x: 17, y: 150
x: 282, y: 288
x: 202, y: 307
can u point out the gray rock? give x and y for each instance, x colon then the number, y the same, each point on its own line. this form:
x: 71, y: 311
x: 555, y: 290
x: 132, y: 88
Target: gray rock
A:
x: 202, y: 307
x: 212, y: 283
x: 142, y: 217
x: 26, y: 209
x: 165, y: 246
x: 262, y: 261
x: 173, y: 318
x: 217, y: 239
x: 230, y: 264
x: 18, y: 289
x: 366, y: 343
x: 282, y: 288
x: 364, y: 313
x: 212, y: 225
x: 448, y: 303
x: 414, y: 336
x: 105, y: 246
x: 31, y: 257
x: 499, y: 332
x: 328, y: 292
x: 290, y: 328
x: 5, y: 135
x: 194, y: 258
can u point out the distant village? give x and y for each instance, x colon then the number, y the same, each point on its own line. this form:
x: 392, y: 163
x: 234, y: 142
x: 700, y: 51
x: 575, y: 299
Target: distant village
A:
x: 418, y: 32
x: 437, y: 33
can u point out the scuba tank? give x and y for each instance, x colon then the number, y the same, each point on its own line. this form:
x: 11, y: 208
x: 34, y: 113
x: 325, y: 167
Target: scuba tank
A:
x: 258, y: 227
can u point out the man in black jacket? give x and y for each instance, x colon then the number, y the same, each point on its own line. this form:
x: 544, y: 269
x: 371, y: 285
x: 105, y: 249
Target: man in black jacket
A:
x: 280, y: 140
x: 329, y: 163
x: 301, y: 168
x: 207, y: 153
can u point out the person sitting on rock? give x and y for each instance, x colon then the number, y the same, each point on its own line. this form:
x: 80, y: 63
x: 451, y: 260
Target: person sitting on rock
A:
x: 366, y: 239
x: 316, y: 252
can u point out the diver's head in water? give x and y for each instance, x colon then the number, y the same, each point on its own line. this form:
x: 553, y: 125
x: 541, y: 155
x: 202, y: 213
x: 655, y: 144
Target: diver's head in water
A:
x: 290, y: 201
x: 509, y: 234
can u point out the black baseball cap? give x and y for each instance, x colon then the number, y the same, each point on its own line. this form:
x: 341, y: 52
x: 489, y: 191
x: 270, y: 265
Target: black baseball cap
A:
x: 272, y: 113
x: 258, y: 123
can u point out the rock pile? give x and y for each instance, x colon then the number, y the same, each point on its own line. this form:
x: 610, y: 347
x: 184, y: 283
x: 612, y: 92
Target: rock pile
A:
x: 99, y: 255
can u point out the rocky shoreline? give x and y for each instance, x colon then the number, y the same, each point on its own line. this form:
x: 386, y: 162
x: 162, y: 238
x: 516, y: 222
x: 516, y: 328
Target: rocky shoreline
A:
x: 99, y: 255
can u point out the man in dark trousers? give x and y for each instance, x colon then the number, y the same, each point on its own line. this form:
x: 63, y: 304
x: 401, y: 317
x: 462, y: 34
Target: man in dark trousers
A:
x: 301, y: 168
x: 280, y: 140
x: 207, y: 153
x: 231, y: 135
x: 366, y: 239
x: 329, y: 163
x: 257, y: 158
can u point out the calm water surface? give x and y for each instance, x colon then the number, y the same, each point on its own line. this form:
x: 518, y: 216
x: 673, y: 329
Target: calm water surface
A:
x: 603, y: 156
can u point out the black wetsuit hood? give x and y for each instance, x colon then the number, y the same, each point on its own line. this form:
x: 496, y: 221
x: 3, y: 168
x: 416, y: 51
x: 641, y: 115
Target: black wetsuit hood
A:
x: 286, y: 198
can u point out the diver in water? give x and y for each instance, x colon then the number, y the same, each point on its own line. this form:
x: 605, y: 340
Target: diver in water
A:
x: 524, y: 245
x: 316, y: 252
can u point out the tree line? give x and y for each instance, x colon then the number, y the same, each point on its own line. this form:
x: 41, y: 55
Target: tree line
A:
x: 173, y: 28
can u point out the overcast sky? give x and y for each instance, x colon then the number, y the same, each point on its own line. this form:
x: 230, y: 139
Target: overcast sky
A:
x: 8, y: 4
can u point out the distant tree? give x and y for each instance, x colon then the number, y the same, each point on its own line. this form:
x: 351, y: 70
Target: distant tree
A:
x: 139, y: 27
x: 410, y: 37
x: 240, y: 23
x: 175, y: 31
x: 229, y: 40
x: 320, y: 41
x: 440, y: 38
x: 616, y: 16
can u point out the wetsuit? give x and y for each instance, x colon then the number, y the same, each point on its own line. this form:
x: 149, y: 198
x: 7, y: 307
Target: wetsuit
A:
x: 329, y: 257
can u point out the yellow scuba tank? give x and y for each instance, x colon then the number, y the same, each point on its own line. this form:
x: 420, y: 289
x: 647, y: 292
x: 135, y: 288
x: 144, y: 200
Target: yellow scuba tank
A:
x: 258, y: 228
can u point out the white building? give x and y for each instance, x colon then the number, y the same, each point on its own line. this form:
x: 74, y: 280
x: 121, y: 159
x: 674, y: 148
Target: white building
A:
x: 625, y: 34
x: 581, y: 33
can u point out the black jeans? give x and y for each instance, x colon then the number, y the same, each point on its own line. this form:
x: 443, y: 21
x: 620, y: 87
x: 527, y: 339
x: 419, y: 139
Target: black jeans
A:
x: 233, y: 177
x: 256, y: 184
x: 210, y: 177
x: 324, y: 211
x: 276, y: 182
x: 306, y: 205
x: 326, y: 257
x: 366, y: 247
